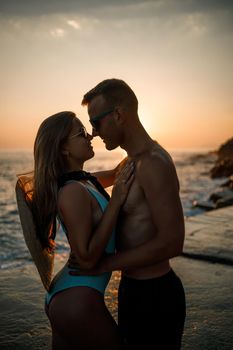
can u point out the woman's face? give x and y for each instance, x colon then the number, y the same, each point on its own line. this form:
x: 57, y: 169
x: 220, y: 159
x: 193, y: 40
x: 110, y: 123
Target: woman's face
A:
x: 77, y: 147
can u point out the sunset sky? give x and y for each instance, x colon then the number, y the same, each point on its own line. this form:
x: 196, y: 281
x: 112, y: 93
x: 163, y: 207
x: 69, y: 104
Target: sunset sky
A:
x: 177, y: 55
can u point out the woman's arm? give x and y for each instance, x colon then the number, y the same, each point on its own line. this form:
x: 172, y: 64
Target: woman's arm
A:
x: 75, y: 207
x: 107, y: 177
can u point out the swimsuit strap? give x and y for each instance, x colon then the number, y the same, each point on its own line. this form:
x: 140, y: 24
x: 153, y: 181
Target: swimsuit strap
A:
x: 80, y: 176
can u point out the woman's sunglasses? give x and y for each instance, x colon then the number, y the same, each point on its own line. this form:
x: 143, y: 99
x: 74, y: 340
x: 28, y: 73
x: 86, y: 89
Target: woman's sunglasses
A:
x: 83, y: 132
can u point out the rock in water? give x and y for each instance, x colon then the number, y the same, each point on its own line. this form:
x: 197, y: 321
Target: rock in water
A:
x: 224, y: 164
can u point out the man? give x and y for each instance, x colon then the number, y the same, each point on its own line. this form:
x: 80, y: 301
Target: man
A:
x: 150, y: 231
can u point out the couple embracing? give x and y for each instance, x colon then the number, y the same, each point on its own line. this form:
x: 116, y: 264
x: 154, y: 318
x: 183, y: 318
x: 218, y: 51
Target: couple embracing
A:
x: 136, y: 231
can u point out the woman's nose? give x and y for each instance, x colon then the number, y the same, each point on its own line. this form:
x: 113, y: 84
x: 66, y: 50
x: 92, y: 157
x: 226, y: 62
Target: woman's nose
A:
x: 94, y: 132
x: 89, y: 136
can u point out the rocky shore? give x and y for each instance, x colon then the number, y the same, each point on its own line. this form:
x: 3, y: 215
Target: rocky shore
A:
x: 223, y: 168
x: 224, y: 163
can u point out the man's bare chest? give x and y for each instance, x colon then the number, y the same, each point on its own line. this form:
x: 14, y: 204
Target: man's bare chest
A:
x: 135, y: 199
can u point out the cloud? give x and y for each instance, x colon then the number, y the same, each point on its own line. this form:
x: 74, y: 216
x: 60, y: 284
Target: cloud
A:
x: 185, y: 17
x: 57, y: 33
x: 44, y: 7
x: 26, y: 8
x: 74, y: 24
x: 196, y: 24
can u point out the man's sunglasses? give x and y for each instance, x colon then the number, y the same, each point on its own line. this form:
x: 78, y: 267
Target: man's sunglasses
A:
x: 95, y: 120
x: 83, y: 132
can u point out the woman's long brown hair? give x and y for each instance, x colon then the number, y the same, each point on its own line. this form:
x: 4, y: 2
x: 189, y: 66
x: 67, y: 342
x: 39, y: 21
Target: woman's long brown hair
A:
x: 49, y: 165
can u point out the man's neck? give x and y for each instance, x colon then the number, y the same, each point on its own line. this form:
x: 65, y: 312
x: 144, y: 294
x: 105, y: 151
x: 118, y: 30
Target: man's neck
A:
x: 137, y: 142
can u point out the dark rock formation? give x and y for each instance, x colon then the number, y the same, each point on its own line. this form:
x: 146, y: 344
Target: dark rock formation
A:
x: 226, y: 149
x: 224, y: 163
x: 228, y: 183
x: 223, y: 167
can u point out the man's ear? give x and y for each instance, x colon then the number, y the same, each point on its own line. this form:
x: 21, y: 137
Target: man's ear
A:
x: 119, y: 114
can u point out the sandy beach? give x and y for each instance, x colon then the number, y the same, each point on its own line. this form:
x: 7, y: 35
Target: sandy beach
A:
x: 208, y: 287
x: 209, y: 299
x: 23, y: 322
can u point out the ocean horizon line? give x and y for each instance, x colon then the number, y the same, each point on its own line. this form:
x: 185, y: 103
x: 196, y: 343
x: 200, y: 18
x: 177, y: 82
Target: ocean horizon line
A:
x: 102, y: 149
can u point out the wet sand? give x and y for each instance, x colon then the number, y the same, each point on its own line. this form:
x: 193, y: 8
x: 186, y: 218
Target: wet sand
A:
x: 23, y: 322
x: 209, y: 299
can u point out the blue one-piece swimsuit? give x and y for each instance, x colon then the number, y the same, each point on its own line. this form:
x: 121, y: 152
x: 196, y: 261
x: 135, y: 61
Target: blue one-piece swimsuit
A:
x: 63, y: 280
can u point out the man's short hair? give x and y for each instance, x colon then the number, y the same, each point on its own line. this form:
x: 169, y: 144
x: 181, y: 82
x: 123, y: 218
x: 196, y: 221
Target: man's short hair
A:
x: 115, y: 92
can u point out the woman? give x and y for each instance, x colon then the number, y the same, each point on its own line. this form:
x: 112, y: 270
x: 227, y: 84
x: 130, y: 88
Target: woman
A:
x: 75, y: 304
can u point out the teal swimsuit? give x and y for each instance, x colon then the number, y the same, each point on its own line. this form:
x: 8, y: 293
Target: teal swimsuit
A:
x: 63, y: 280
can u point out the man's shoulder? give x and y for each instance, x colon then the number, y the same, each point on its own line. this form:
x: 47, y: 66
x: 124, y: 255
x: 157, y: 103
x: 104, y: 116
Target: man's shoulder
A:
x: 156, y: 167
x: 156, y: 157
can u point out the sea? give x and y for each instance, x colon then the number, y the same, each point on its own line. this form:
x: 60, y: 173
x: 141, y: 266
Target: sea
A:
x: 193, y: 167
